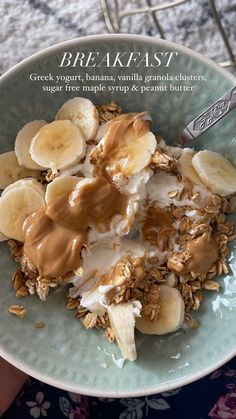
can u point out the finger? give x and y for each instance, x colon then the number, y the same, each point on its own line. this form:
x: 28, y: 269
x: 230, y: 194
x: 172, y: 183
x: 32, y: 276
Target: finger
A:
x: 11, y: 381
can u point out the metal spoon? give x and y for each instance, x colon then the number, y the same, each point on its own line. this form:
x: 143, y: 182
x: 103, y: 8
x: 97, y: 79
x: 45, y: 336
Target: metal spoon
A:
x: 209, y: 117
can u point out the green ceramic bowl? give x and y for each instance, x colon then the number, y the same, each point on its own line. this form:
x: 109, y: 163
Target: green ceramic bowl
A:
x: 63, y: 353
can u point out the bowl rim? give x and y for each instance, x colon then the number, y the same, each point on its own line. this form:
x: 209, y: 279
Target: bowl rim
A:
x: 42, y: 376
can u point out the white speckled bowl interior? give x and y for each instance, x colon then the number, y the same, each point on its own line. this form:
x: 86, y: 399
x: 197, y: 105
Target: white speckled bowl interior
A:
x: 63, y: 353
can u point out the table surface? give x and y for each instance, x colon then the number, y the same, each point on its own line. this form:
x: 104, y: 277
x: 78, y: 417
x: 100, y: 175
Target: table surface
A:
x: 28, y: 26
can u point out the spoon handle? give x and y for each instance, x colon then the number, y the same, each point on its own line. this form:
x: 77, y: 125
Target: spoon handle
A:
x: 210, y: 116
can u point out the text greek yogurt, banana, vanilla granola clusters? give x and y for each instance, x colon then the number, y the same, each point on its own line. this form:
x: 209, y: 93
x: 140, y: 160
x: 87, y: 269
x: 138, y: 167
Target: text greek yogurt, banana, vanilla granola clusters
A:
x: 135, y: 227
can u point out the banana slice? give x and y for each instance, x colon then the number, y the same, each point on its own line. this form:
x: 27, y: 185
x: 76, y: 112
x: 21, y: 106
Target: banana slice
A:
x: 122, y: 321
x: 58, y: 145
x: 187, y: 168
x: 22, y: 144
x: 83, y: 114
x: 59, y: 186
x: 216, y: 172
x: 141, y: 153
x: 72, y: 170
x: 15, y: 206
x: 124, y: 149
x: 3, y: 238
x: 10, y: 170
x: 170, y: 317
x: 33, y: 183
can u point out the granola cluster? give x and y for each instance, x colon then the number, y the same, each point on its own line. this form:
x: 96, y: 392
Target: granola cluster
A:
x: 108, y: 111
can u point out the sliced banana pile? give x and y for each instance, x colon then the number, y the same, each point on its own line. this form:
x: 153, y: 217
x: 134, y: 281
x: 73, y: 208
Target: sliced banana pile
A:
x: 59, y: 145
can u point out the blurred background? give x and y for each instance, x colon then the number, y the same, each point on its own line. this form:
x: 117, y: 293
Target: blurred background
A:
x: 28, y: 26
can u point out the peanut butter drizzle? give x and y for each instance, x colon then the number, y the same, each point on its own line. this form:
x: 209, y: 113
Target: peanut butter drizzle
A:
x: 114, y: 277
x: 118, y: 129
x: 52, y: 248
x: 157, y: 222
x: 121, y: 140
x: 204, y: 252
x: 54, y: 238
x: 117, y: 274
x: 95, y: 204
